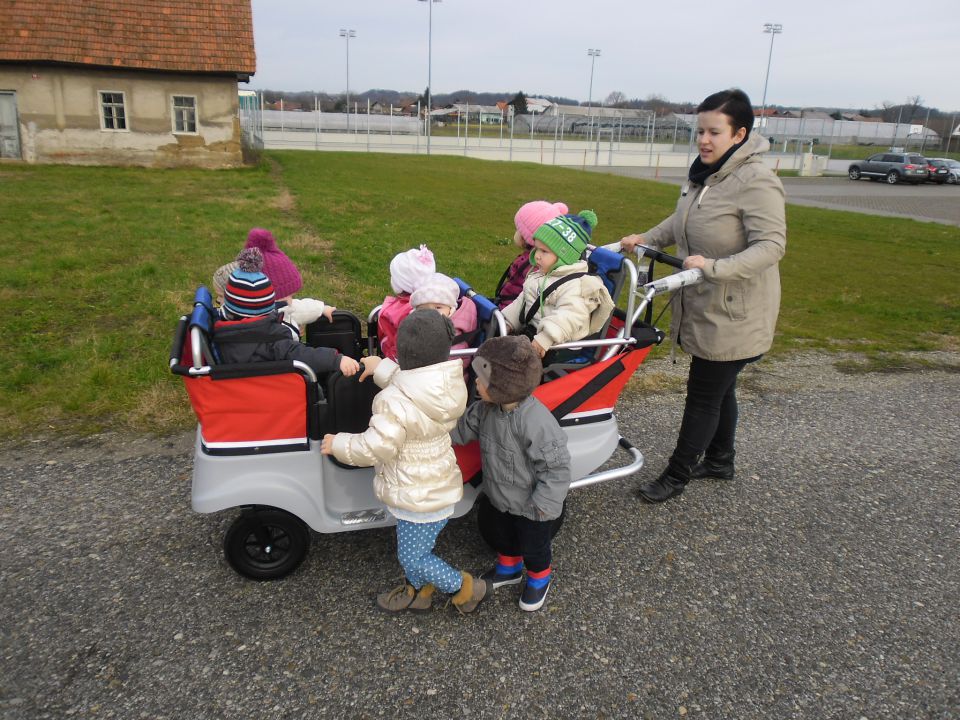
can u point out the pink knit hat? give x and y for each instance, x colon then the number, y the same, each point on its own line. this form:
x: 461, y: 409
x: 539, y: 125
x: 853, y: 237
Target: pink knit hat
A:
x: 276, y: 265
x: 408, y: 269
x: 534, y: 214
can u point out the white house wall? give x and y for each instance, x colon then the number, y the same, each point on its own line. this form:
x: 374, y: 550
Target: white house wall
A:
x: 59, y: 117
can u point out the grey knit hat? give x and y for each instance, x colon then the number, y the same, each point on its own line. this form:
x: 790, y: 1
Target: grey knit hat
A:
x: 509, y: 367
x: 423, y: 338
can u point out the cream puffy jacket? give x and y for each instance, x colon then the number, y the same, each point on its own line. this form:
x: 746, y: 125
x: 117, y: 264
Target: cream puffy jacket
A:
x: 736, y: 221
x: 573, y: 311
x: 408, y: 440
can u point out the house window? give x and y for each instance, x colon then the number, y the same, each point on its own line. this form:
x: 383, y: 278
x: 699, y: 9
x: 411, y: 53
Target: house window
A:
x: 113, y: 111
x: 184, y: 114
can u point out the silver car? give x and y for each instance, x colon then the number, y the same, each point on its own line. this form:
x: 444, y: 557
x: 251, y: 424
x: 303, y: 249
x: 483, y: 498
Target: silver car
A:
x: 893, y: 167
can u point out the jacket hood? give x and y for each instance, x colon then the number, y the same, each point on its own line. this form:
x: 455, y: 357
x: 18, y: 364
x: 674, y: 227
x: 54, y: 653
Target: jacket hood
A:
x: 437, y: 390
x: 752, y: 148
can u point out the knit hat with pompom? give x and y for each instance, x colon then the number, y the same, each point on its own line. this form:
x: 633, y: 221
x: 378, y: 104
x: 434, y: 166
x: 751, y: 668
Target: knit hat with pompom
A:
x: 249, y: 293
x: 408, y: 269
x: 567, y: 236
x: 534, y: 214
x: 276, y: 265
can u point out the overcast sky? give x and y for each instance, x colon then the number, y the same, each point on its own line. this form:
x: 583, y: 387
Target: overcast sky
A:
x: 836, y: 53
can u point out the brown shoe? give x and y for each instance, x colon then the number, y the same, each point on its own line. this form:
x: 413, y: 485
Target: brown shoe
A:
x: 424, y: 599
x: 470, y: 594
x: 398, y: 599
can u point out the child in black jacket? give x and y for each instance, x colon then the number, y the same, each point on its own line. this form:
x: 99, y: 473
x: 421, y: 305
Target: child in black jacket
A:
x: 250, y: 329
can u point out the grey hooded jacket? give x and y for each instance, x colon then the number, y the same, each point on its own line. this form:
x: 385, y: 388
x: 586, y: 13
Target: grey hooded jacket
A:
x: 736, y: 220
x: 526, y: 464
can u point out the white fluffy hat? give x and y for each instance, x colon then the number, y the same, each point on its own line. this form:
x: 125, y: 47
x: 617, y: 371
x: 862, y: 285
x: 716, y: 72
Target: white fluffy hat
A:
x: 409, y: 268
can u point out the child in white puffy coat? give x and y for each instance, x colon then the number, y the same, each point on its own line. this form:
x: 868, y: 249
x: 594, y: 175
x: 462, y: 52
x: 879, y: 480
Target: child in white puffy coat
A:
x: 408, y: 444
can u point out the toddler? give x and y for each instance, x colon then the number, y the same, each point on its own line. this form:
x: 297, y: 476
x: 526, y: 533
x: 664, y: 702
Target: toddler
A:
x: 442, y: 294
x: 407, y: 270
x: 250, y: 330
x: 408, y: 443
x: 528, y: 218
x: 285, y: 276
x: 560, y: 302
x: 526, y: 465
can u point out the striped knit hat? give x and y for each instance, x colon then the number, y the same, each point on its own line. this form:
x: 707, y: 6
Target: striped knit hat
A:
x: 249, y: 293
x: 567, y: 236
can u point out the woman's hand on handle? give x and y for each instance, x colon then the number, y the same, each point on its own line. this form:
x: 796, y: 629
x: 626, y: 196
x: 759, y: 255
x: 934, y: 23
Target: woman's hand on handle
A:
x: 693, y: 262
x: 628, y: 243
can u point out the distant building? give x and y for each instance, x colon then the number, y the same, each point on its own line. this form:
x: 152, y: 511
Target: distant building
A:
x: 124, y: 82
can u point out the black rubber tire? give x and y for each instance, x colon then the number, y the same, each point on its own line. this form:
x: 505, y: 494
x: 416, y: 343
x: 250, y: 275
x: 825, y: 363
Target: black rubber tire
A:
x: 952, y: 180
x: 854, y: 173
x: 892, y: 178
x: 266, y: 544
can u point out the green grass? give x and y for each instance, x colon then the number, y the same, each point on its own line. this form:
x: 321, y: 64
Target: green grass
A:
x: 100, y: 262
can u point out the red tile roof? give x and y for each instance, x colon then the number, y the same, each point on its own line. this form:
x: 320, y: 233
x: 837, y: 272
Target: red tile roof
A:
x: 213, y: 36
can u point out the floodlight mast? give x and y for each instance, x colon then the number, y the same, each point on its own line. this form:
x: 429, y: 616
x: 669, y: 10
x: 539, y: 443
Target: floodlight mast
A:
x: 774, y: 29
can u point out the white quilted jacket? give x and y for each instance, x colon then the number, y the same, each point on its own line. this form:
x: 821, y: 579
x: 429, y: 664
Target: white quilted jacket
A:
x: 408, y: 440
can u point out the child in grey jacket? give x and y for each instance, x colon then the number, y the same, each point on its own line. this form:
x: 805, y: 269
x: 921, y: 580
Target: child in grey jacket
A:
x: 526, y: 465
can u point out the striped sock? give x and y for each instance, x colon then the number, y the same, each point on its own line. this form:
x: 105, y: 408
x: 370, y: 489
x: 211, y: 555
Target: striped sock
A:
x: 509, y: 564
x: 539, y: 579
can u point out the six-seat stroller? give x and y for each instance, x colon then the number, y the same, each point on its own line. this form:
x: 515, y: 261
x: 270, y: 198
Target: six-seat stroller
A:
x: 257, y: 444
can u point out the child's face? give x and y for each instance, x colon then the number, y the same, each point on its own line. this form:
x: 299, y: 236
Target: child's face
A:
x: 444, y: 310
x: 518, y: 240
x: 545, y: 258
x: 482, y: 391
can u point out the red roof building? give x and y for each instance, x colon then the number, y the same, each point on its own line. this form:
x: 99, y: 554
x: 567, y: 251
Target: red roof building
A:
x: 147, y: 82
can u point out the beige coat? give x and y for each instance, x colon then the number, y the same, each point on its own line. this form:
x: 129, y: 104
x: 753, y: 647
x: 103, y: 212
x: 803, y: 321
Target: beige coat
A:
x: 736, y: 221
x: 408, y: 440
x: 573, y: 311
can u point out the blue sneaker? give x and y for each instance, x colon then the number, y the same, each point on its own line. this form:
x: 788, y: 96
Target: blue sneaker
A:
x: 534, y: 595
x: 496, y: 579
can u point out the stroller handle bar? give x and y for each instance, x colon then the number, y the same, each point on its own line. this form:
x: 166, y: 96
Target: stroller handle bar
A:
x: 675, y: 281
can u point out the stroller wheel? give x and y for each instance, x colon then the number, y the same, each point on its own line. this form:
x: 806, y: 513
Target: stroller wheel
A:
x: 266, y: 544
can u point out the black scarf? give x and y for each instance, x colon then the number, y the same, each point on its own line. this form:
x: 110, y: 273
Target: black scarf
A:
x: 699, y: 171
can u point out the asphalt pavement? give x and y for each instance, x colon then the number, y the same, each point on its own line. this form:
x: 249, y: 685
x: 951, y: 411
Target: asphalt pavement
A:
x: 927, y: 202
x: 822, y: 583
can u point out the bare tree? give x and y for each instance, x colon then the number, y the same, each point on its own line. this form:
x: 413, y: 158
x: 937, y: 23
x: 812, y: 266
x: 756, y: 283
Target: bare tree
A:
x: 616, y: 99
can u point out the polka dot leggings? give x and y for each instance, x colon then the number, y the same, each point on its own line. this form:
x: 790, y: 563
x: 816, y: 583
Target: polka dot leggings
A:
x: 415, y: 543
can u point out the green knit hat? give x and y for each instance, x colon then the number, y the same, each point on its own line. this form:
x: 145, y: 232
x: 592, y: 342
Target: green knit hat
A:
x: 567, y: 236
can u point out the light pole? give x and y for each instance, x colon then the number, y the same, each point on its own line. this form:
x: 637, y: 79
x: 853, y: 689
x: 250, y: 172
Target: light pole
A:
x: 594, y: 54
x: 346, y: 35
x: 774, y: 29
x: 429, y: 64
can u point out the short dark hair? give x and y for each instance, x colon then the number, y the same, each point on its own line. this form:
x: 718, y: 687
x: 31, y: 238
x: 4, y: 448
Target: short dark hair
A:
x: 733, y: 103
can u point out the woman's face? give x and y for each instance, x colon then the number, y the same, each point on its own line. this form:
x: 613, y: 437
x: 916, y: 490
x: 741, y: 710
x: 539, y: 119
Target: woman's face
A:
x: 715, y: 135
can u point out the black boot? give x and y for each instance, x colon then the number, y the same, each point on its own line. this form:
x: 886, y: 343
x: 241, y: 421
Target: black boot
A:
x: 719, y: 466
x: 668, y: 485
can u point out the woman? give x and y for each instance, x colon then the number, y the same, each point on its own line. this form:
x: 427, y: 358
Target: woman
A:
x: 729, y: 223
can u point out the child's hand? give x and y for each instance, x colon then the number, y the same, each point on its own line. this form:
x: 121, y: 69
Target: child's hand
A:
x: 348, y: 366
x: 326, y: 446
x: 328, y: 314
x: 369, y: 366
x: 540, y: 351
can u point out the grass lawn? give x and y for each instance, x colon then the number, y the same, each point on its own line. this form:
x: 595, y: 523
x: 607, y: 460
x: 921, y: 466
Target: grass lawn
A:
x: 100, y: 262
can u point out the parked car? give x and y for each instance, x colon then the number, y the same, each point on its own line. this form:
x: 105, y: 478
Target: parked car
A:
x: 892, y: 167
x: 953, y: 169
x: 937, y: 170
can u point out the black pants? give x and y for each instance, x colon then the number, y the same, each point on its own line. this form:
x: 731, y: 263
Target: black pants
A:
x: 515, y: 535
x: 710, y: 415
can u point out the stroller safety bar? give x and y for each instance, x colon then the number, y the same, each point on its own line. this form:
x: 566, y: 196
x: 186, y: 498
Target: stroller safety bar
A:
x: 634, y: 466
